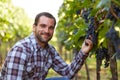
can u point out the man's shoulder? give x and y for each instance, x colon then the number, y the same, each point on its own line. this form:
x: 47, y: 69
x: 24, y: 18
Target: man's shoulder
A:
x: 24, y: 44
x: 52, y: 49
x: 51, y: 46
x: 25, y: 41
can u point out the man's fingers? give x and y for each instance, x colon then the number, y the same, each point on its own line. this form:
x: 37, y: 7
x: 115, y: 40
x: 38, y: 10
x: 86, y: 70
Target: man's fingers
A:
x: 90, y: 37
x: 88, y: 42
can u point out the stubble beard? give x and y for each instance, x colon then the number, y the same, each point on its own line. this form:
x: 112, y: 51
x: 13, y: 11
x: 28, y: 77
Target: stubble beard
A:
x: 40, y: 39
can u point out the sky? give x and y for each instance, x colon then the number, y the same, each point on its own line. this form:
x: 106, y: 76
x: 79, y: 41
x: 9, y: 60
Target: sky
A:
x: 33, y: 7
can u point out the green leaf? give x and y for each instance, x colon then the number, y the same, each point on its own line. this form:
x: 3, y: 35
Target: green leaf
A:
x: 105, y: 4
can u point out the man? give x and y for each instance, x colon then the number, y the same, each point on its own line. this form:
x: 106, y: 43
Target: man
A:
x: 32, y: 57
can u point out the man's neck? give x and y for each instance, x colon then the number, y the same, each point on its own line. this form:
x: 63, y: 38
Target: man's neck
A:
x: 42, y: 44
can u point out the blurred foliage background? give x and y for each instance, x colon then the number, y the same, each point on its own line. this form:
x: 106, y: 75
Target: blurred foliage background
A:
x: 69, y: 35
x: 14, y: 25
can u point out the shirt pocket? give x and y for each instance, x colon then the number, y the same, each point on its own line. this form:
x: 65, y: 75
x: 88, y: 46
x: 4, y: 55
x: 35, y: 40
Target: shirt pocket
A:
x: 30, y: 69
x: 34, y: 70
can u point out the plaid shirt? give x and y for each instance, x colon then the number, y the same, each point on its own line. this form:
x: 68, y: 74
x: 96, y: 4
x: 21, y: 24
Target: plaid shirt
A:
x: 28, y: 61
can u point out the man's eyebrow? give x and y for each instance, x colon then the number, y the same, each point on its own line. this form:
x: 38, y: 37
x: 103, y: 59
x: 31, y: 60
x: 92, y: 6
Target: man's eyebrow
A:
x: 43, y: 24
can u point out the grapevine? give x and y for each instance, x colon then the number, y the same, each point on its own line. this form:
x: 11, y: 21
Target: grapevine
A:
x: 90, y: 21
x: 112, y: 34
x: 102, y: 54
x: 93, y: 24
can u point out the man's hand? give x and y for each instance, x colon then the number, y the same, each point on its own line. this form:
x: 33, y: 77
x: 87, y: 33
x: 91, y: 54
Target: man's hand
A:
x: 87, y: 46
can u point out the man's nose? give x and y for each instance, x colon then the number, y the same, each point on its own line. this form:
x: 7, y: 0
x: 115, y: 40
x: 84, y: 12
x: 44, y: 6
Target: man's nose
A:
x: 46, y: 30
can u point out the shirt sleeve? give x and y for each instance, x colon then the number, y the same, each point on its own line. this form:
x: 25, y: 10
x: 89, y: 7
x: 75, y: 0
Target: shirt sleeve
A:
x: 14, y: 64
x: 66, y: 70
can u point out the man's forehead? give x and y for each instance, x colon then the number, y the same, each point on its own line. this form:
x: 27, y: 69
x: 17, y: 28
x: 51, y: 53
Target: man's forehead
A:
x: 46, y: 20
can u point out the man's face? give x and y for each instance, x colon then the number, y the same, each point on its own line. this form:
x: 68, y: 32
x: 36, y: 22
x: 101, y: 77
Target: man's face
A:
x: 44, y: 29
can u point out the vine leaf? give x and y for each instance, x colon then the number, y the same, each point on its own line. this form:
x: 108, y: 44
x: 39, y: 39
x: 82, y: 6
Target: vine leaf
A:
x: 105, y: 4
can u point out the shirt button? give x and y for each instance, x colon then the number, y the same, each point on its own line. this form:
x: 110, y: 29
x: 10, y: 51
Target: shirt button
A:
x: 29, y: 69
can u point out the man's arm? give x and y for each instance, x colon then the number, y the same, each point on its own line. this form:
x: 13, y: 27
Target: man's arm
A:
x: 70, y: 70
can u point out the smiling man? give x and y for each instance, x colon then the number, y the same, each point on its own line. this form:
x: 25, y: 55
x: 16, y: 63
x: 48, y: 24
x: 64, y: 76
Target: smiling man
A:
x: 43, y: 29
x: 32, y: 57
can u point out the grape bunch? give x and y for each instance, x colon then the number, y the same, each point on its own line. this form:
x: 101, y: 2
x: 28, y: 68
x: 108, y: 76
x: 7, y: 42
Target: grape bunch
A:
x: 113, y: 35
x: 91, y: 31
x: 116, y: 11
x: 101, y: 54
x: 91, y: 25
x: 85, y: 15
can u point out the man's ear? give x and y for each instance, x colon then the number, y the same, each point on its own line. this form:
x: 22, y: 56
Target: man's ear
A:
x: 33, y: 27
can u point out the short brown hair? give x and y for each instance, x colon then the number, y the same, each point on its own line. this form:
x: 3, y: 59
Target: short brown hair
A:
x: 44, y: 14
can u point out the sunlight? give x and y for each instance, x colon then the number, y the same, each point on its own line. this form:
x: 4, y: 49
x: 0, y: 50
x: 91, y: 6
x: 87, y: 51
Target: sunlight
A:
x: 33, y: 7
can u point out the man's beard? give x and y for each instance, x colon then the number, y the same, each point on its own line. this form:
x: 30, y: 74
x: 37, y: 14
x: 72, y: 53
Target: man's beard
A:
x: 39, y: 37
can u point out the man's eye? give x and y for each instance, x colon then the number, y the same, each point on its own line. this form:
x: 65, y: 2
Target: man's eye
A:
x: 51, y: 28
x: 42, y: 25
